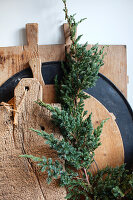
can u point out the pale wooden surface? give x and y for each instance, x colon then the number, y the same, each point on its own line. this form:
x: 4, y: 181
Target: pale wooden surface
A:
x: 48, y: 90
x: 32, y: 34
x: 111, y: 152
x: 20, y: 178
x: 15, y: 59
x: 35, y: 65
x: 115, y: 66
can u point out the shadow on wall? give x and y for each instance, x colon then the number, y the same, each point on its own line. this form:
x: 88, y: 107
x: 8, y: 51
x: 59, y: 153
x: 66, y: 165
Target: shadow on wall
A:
x: 20, y: 36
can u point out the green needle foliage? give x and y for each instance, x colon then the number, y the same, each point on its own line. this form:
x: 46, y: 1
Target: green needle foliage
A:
x: 80, y: 139
x: 81, y: 68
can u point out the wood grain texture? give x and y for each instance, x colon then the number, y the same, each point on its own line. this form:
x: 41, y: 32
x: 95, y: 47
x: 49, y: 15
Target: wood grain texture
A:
x: 115, y: 66
x: 111, y: 137
x: 48, y: 90
x: 35, y: 65
x: 49, y: 96
x: 49, y: 53
x: 111, y: 152
x: 32, y: 34
x: 15, y: 59
x: 20, y: 178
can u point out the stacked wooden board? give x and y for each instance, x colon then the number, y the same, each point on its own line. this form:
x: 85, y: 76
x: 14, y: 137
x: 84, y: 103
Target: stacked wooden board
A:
x: 20, y: 175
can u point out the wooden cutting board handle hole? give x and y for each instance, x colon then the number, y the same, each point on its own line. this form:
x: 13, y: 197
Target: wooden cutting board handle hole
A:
x: 27, y: 88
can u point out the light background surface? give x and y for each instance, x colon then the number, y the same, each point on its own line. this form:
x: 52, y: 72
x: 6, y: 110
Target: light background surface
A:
x: 108, y: 22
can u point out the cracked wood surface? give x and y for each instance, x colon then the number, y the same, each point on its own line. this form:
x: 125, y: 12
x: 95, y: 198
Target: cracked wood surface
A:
x: 20, y: 178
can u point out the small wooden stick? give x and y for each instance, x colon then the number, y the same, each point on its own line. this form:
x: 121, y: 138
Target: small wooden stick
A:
x: 6, y: 105
x: 18, y: 108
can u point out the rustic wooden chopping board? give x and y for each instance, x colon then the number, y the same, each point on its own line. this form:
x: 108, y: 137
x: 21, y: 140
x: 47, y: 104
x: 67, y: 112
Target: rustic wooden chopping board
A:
x: 19, y: 177
x: 15, y: 59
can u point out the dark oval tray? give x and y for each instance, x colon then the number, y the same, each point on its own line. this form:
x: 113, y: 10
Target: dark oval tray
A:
x: 104, y: 91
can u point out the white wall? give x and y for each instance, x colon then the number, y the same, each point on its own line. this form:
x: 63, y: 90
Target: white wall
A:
x: 108, y: 22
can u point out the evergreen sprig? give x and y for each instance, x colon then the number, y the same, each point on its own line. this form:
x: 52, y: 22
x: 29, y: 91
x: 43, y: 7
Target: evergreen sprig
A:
x: 80, y: 70
x: 112, y: 183
x: 80, y: 139
x: 53, y: 169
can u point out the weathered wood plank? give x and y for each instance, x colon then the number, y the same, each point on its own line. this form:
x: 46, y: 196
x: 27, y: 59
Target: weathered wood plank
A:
x: 35, y: 65
x: 32, y: 34
x: 20, y: 178
x: 112, y: 144
x: 49, y: 53
x: 115, y: 66
x: 17, y: 178
x: 15, y: 59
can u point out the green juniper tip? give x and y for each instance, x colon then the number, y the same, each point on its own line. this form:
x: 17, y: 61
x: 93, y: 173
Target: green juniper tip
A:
x: 76, y: 148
